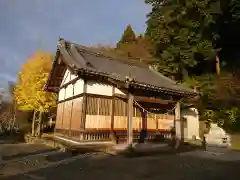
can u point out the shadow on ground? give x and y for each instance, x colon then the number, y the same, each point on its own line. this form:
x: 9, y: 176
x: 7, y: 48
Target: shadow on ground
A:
x: 188, y: 163
x: 12, y: 137
x: 185, y: 165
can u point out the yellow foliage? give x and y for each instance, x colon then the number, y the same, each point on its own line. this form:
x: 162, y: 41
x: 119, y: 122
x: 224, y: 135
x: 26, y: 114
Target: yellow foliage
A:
x: 29, y: 93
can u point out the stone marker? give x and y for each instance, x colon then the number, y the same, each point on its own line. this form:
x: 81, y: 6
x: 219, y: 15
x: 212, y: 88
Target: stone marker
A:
x: 217, y: 139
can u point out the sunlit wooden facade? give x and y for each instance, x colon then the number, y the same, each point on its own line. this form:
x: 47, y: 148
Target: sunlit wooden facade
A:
x: 92, y: 104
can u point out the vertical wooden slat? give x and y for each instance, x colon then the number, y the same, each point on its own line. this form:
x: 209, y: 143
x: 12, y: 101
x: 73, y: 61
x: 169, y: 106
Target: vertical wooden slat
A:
x: 70, y: 123
x: 130, y: 116
x: 67, y: 115
x: 76, y: 114
x: 63, y: 104
x: 59, y: 117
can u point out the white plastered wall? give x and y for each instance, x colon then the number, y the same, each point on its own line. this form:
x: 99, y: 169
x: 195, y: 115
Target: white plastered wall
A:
x: 192, y: 120
x: 71, y: 89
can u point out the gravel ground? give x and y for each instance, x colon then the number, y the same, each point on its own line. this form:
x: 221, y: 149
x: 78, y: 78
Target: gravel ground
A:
x: 11, y: 151
x: 191, y: 165
x: 29, y: 162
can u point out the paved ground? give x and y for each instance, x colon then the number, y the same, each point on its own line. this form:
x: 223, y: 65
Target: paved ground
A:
x: 11, y: 151
x: 62, y: 166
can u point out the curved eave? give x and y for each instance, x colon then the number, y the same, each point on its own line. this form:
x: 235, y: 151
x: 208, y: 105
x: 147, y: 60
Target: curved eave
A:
x: 139, y: 85
x: 47, y: 86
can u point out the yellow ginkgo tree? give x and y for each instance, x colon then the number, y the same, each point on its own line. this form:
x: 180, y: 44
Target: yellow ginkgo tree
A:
x: 29, y: 93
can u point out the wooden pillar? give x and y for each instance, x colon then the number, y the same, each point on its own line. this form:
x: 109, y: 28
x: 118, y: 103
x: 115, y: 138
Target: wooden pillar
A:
x: 130, y: 115
x: 144, y: 120
x: 143, y: 133
x: 179, y: 126
x: 84, y: 109
x: 112, y: 109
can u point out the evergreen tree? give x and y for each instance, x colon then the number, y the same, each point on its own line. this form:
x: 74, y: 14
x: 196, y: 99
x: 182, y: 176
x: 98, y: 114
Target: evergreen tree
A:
x: 181, y: 34
x: 228, y: 28
x: 133, y: 46
x: 127, y: 37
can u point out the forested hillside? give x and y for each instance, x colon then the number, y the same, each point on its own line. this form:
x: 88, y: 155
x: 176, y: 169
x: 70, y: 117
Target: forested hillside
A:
x: 194, y: 42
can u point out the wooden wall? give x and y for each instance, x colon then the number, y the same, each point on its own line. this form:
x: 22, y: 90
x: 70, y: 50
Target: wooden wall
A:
x: 69, y: 111
x: 99, y: 110
x: 98, y: 116
x: 98, y: 113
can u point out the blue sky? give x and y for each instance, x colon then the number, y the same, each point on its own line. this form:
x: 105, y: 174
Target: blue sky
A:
x: 30, y: 25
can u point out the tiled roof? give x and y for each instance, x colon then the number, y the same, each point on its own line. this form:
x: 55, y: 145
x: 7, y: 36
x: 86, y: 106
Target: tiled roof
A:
x: 137, y: 73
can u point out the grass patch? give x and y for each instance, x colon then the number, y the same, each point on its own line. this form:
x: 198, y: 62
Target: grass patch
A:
x: 235, y: 138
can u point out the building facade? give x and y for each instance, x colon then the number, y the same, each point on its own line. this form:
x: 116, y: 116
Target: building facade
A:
x: 100, y: 95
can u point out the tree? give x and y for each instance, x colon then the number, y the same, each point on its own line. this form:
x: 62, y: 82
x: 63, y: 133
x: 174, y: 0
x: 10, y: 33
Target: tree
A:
x: 7, y: 110
x: 228, y: 29
x: 29, y: 93
x: 127, y: 37
x: 129, y: 46
x: 139, y: 49
x: 200, y: 38
x: 220, y: 99
x: 6, y: 117
x: 181, y: 33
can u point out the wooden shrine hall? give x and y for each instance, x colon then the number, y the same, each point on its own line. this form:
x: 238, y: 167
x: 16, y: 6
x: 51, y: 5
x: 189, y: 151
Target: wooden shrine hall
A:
x: 101, y: 96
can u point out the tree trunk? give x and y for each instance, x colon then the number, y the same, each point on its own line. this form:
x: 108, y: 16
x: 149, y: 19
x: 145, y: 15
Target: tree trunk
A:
x: 33, y: 123
x: 40, y: 124
x: 217, y: 65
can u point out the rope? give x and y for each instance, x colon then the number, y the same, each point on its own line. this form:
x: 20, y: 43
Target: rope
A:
x: 152, y: 114
x: 178, y: 142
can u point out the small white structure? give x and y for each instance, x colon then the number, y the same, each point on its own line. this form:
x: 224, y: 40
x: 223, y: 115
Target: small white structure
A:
x: 191, y: 124
x: 217, y: 136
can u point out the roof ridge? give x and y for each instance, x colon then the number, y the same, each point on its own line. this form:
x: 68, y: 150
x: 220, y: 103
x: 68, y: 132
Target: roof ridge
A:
x: 126, y: 60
